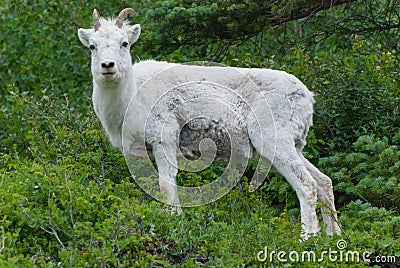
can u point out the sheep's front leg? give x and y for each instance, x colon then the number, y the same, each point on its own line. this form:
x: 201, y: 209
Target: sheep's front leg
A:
x: 167, y: 164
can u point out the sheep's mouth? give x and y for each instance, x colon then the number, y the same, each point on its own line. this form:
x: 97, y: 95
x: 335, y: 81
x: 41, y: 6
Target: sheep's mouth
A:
x: 107, y: 73
x: 108, y: 76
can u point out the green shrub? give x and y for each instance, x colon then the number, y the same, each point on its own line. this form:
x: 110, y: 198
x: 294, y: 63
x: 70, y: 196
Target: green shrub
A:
x: 370, y: 173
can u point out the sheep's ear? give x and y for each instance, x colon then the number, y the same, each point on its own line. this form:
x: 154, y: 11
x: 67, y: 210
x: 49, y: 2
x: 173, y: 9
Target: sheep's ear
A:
x: 133, y: 33
x: 84, y: 35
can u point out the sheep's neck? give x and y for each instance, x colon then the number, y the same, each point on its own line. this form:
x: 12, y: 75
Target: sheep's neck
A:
x: 110, y: 103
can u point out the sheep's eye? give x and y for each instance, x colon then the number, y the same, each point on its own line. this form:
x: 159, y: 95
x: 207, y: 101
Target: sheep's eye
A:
x: 125, y: 44
x: 92, y: 47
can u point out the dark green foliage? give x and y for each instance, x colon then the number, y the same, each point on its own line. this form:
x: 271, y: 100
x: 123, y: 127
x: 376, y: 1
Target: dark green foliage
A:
x: 361, y: 97
x: 371, y: 173
x: 199, y: 23
x: 67, y: 198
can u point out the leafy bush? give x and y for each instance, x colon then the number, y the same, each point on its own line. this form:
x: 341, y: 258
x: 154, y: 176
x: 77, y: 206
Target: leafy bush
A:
x: 370, y: 173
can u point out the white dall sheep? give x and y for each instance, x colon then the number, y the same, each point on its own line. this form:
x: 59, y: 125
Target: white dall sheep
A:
x: 274, y: 121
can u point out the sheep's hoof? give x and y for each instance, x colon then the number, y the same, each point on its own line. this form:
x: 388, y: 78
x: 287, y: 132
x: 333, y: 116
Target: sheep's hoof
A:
x: 177, y: 209
x: 306, y: 236
x: 174, y: 210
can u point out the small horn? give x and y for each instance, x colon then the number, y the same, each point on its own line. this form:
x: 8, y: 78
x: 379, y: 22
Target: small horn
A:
x: 122, y: 15
x: 96, y: 20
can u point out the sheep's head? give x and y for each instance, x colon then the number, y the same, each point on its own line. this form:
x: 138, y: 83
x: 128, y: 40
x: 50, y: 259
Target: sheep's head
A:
x: 110, y: 41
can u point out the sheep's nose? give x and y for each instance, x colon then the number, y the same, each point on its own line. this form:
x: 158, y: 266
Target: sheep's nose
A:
x: 107, y: 64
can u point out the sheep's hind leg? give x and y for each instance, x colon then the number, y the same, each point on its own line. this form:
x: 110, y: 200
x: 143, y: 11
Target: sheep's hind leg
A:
x: 288, y: 163
x: 325, y: 196
x: 165, y: 157
x: 292, y: 168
